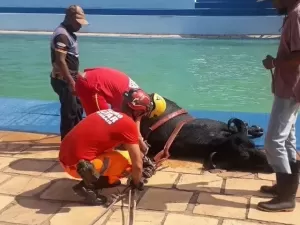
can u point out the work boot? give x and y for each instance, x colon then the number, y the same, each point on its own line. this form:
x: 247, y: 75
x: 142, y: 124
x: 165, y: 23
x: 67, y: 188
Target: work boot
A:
x: 88, y: 173
x: 78, y: 189
x: 272, y: 189
x: 87, y: 187
x: 287, y: 186
x: 269, y: 189
x: 294, y: 167
x: 91, y: 196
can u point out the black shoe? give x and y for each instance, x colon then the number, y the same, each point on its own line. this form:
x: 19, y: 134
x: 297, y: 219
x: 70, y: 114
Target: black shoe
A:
x: 91, y: 196
x: 287, y: 186
x: 78, y: 189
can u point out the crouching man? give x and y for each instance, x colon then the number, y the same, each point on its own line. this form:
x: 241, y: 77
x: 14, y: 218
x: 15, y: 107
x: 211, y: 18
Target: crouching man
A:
x: 87, y: 151
x: 103, y: 88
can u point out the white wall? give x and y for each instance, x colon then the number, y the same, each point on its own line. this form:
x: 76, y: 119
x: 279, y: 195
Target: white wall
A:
x: 144, y: 24
x: 150, y: 24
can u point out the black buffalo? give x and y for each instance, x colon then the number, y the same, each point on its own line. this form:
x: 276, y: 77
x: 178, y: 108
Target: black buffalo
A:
x: 219, y: 144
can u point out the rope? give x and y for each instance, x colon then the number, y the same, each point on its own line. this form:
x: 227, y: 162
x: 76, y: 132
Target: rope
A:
x: 131, y: 207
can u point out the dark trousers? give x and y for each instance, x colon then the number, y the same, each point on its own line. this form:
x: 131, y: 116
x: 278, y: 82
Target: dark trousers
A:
x: 71, y: 111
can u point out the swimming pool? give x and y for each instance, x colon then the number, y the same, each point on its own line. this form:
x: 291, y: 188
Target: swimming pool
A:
x: 200, y: 74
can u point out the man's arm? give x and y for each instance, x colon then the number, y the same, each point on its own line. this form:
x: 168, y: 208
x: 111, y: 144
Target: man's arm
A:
x: 141, y: 139
x: 142, y: 144
x: 137, y: 163
x: 61, y: 43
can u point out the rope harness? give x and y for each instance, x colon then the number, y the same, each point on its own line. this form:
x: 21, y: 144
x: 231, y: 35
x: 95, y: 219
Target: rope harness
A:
x: 159, y: 158
x: 163, y: 155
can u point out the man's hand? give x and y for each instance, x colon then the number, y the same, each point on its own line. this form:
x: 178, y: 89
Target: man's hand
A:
x: 297, y: 92
x: 149, y: 167
x: 139, y: 186
x: 137, y: 163
x: 72, y: 86
x: 269, y: 62
x: 144, y: 146
x: 148, y: 172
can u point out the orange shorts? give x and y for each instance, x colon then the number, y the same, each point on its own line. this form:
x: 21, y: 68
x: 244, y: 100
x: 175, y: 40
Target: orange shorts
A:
x: 113, y: 164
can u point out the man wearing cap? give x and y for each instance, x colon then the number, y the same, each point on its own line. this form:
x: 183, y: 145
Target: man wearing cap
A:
x: 280, y: 141
x: 65, y: 65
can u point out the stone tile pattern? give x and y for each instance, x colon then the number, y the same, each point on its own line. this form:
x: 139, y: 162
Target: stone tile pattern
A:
x: 34, y: 189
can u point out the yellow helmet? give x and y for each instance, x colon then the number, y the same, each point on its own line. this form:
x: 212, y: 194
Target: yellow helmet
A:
x: 159, y: 105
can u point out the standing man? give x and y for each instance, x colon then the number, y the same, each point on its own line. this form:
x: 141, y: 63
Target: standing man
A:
x: 280, y: 142
x: 65, y: 65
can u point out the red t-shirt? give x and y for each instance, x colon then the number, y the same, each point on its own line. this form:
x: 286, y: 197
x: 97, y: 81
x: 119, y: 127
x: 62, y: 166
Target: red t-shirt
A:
x: 98, y: 132
x: 109, y: 83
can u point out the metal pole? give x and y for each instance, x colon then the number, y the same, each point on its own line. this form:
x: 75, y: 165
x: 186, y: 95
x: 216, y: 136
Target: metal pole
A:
x: 131, y: 207
x: 117, y: 197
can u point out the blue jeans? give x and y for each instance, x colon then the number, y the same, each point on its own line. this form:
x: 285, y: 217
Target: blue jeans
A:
x: 280, y: 141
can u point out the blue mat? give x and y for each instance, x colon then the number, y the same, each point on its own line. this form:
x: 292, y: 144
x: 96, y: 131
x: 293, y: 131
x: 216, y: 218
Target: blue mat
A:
x: 43, y: 117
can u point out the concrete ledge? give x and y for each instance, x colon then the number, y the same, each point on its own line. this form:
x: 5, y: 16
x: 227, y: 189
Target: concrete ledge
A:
x: 44, y: 117
x: 253, y: 36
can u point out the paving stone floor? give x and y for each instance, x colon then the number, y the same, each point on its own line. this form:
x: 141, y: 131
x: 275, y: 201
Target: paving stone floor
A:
x: 35, y: 190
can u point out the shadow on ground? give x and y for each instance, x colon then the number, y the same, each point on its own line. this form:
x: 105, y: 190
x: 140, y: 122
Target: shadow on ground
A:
x: 35, y: 143
x: 60, y: 191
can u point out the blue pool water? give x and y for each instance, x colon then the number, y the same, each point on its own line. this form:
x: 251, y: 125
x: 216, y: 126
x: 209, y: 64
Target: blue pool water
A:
x: 199, y: 74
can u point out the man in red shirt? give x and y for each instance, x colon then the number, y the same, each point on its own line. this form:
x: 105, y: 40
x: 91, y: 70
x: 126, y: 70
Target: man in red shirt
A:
x: 87, y: 151
x: 100, y: 87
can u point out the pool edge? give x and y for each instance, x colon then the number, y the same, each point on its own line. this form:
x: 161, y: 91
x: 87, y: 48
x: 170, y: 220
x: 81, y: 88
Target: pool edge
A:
x: 135, y: 35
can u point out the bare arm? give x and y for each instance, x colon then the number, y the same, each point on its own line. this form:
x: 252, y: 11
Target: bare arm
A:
x: 61, y: 45
x: 137, y: 163
x: 60, y: 61
x: 142, y: 144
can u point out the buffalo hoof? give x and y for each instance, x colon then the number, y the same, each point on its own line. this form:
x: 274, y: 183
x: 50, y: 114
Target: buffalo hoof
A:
x: 209, y: 164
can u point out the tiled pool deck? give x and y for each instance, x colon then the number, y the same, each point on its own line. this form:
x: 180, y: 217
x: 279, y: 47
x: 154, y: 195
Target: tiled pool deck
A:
x: 35, y: 190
